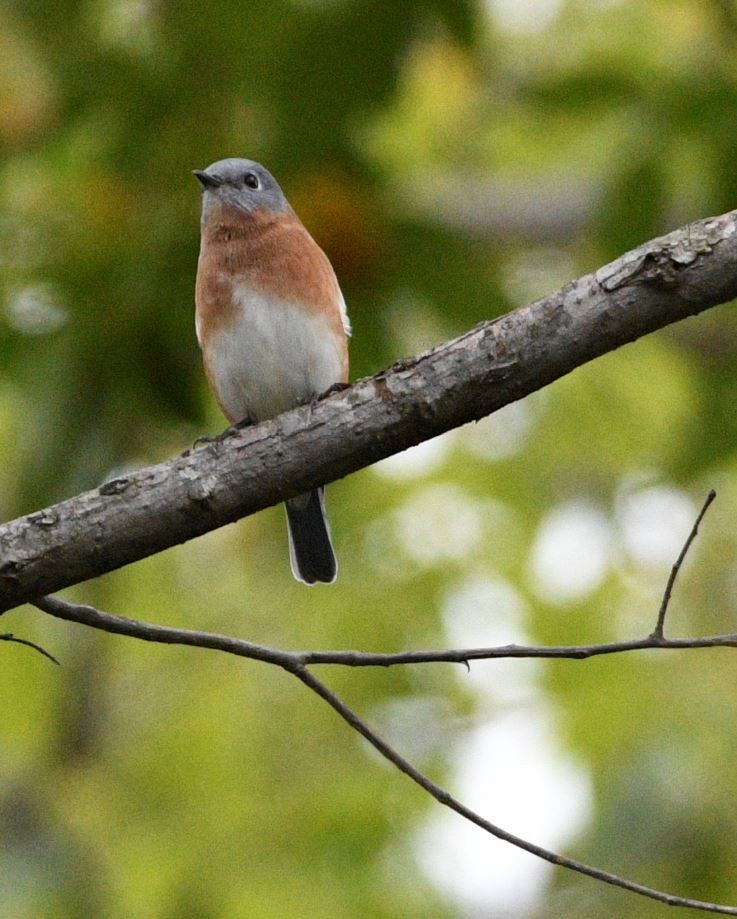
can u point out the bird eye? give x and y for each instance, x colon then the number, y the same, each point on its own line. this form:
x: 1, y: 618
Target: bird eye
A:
x: 251, y: 180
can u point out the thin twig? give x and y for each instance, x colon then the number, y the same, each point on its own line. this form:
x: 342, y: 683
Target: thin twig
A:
x: 29, y: 644
x: 658, y: 631
x: 444, y: 797
x: 295, y: 663
x: 134, y: 628
x: 146, y: 631
x: 465, y: 655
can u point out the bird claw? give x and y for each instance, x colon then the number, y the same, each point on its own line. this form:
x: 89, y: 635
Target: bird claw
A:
x: 223, y: 435
x: 330, y: 391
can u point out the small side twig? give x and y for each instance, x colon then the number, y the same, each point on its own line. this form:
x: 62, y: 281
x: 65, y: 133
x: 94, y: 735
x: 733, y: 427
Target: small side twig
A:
x: 659, y: 626
x: 29, y: 644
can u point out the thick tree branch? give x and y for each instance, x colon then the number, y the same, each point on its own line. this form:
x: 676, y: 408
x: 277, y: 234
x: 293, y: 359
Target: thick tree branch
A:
x: 462, y: 380
x: 298, y: 660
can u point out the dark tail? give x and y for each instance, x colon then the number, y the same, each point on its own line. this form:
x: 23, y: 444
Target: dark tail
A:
x: 310, y: 550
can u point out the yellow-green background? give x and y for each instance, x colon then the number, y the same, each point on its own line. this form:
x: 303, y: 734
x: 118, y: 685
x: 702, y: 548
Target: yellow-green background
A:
x: 455, y: 159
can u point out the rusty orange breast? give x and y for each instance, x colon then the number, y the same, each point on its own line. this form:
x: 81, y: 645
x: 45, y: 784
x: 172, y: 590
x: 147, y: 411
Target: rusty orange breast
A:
x: 270, y: 253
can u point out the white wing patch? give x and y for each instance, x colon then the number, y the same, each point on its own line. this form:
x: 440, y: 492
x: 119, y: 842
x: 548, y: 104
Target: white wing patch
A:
x: 344, y: 315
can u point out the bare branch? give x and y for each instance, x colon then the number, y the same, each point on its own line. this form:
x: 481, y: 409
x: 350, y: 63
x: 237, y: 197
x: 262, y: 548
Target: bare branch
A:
x: 295, y: 663
x: 107, y: 622
x: 560, y: 652
x: 461, y: 380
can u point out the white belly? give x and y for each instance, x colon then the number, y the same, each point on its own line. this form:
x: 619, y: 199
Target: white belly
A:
x: 273, y: 357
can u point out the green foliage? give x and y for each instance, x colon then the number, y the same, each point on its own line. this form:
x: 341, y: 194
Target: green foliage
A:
x: 455, y: 163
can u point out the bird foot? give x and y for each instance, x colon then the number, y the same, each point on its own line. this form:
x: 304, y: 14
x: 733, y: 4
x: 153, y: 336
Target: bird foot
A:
x: 223, y: 435
x: 331, y: 390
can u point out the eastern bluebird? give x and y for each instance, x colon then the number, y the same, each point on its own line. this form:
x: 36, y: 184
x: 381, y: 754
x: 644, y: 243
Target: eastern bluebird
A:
x: 271, y: 322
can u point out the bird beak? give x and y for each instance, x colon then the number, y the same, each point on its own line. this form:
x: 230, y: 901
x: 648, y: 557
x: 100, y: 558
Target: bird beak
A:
x: 206, y: 180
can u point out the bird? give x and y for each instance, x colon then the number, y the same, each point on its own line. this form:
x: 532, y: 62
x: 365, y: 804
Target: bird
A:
x: 271, y: 323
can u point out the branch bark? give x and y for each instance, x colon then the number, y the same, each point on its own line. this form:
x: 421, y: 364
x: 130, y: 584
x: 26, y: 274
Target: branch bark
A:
x: 462, y: 380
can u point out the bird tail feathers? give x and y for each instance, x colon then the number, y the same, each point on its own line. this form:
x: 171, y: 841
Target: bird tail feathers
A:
x: 310, y: 548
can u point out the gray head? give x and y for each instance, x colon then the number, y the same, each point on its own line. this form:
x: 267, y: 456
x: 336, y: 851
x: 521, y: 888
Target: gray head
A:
x: 243, y: 184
